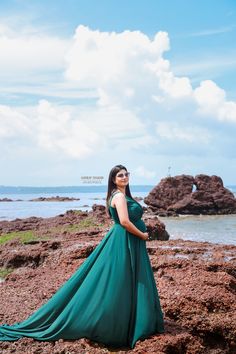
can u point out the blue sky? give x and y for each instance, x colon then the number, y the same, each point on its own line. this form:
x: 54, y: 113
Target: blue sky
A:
x: 86, y: 85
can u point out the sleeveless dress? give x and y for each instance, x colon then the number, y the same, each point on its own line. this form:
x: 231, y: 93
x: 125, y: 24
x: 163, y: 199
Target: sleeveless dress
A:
x: 111, y: 298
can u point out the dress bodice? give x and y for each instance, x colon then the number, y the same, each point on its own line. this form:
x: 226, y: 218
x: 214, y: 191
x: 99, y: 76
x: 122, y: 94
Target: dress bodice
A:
x: 135, y: 212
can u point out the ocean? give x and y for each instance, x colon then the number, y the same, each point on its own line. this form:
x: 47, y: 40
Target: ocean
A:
x: 217, y: 229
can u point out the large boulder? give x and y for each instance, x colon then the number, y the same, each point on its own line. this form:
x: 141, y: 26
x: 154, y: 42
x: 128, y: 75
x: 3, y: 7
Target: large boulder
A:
x: 185, y: 194
x: 156, y: 228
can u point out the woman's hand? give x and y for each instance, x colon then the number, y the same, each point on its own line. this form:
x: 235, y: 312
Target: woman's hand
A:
x: 145, y: 236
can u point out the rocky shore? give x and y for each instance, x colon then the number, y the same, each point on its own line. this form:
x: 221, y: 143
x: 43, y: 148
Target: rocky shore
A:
x: 53, y: 199
x: 195, y: 280
x: 42, y: 199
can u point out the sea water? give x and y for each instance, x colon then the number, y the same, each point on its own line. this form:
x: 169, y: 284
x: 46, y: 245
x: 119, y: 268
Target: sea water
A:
x: 217, y: 228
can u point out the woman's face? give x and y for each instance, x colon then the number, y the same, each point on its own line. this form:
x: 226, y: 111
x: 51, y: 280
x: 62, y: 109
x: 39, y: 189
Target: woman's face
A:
x: 121, y: 178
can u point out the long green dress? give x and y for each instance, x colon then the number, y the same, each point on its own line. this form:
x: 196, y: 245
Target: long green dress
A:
x: 111, y: 298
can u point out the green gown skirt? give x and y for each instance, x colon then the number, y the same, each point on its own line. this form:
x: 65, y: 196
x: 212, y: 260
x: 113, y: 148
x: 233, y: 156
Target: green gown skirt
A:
x: 111, y: 298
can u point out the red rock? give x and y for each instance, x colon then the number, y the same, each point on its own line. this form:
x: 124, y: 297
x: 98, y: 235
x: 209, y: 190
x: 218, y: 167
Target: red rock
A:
x: 99, y: 212
x: 176, y: 195
x: 156, y: 228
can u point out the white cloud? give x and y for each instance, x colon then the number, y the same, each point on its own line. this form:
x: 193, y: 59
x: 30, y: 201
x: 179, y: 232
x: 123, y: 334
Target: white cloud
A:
x: 172, y: 131
x: 212, y: 101
x: 141, y: 171
x: 72, y: 132
x: 87, y: 131
x: 128, y: 70
x: 208, y: 94
x: 123, y: 66
x: 98, y: 57
x: 32, y: 64
x: 59, y: 132
x: 13, y: 123
x: 176, y: 87
x: 228, y: 112
x: 22, y: 53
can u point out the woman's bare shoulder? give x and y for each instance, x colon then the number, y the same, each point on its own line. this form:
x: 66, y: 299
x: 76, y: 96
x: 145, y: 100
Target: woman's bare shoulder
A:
x: 117, y: 196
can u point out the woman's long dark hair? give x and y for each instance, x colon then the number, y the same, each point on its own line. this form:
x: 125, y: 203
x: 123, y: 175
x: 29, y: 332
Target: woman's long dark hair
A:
x: 112, y: 186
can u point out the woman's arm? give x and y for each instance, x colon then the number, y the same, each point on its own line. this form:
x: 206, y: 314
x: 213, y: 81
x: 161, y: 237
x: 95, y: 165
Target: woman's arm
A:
x: 122, y: 210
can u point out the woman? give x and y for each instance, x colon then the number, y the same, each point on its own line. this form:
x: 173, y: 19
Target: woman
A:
x: 112, y: 297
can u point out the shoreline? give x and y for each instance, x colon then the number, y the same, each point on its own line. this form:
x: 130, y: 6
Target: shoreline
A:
x: 221, y: 222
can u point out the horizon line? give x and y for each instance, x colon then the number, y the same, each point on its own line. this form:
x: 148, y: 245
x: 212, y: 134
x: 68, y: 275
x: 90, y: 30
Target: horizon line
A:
x: 82, y: 185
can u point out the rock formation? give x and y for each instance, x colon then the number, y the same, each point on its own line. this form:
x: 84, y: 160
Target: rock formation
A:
x: 156, y: 228
x: 186, y: 194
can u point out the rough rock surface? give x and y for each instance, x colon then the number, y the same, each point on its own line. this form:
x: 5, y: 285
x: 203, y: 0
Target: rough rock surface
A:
x: 156, y: 228
x: 195, y: 280
x: 191, y: 195
x: 44, y: 225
